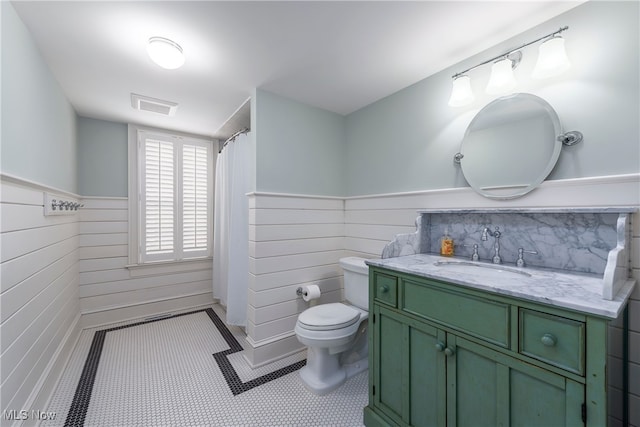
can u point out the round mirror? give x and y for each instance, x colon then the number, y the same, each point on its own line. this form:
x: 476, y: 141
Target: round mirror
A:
x: 510, y: 146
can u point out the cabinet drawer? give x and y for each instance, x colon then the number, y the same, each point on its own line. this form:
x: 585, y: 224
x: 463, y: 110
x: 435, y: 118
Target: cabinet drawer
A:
x: 385, y: 288
x: 552, y: 339
x: 475, y: 316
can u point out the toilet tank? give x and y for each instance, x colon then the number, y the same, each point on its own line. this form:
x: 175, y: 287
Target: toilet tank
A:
x: 356, y: 281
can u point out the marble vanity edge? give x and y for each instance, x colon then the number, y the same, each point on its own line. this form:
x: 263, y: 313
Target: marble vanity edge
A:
x: 610, y: 309
x: 617, y: 269
x: 405, y: 244
x: 618, y: 209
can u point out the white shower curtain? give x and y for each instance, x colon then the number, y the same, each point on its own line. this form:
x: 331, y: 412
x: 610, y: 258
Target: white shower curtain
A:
x: 231, y: 230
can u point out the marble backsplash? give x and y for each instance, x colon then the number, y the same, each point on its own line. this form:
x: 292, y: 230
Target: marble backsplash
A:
x: 577, y: 240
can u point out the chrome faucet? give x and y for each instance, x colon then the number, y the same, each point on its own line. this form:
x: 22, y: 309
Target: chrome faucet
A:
x: 474, y: 256
x: 496, y: 244
x: 520, y: 261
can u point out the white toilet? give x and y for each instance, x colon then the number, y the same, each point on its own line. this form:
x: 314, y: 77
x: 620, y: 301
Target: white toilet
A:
x: 336, y: 333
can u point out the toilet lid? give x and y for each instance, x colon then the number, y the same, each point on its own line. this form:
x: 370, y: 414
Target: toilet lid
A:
x: 328, y: 316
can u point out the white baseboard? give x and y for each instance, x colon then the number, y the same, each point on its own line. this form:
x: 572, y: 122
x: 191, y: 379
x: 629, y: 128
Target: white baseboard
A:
x: 259, y: 354
x: 147, y: 309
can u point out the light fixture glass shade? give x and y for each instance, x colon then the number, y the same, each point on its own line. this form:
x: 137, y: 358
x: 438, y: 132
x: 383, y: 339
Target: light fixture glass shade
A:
x: 502, y: 79
x: 166, y: 53
x: 552, y: 59
x: 461, y: 93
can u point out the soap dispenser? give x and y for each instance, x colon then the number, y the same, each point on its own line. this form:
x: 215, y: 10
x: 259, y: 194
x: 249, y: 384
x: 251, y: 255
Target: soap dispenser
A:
x: 446, y: 244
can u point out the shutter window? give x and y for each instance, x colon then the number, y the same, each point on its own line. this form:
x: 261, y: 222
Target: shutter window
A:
x: 175, y: 199
x: 195, y: 206
x: 159, y: 197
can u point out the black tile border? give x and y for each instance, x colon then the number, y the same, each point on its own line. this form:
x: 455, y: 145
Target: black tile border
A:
x: 82, y: 396
x: 230, y: 375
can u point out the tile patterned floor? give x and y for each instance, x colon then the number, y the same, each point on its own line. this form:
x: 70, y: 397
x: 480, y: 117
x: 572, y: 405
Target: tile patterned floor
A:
x: 185, y: 371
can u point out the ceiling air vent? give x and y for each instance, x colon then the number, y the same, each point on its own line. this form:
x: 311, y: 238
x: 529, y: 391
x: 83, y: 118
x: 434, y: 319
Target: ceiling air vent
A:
x: 154, y: 105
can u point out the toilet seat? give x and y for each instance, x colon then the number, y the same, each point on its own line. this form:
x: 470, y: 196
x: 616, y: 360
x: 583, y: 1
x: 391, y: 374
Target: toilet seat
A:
x: 327, y: 317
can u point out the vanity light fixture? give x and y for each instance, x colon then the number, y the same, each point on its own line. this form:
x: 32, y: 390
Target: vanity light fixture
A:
x: 461, y: 94
x: 502, y: 79
x: 552, y: 60
x: 166, y: 53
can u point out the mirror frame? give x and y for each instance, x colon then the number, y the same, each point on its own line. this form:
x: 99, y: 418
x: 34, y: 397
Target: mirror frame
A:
x: 558, y: 142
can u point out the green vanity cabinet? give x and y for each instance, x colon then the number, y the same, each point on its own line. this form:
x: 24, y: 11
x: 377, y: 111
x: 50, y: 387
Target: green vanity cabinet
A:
x: 405, y: 365
x: 445, y: 355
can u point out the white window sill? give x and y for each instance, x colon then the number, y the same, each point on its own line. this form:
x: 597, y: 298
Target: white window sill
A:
x: 167, y: 267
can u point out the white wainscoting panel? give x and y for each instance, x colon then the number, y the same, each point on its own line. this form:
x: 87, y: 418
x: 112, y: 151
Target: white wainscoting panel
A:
x: 293, y: 241
x: 39, y: 301
x: 109, y: 291
x: 367, y: 230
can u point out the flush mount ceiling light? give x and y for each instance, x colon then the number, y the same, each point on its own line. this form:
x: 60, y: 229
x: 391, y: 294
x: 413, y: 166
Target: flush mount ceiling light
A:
x: 166, y: 53
x: 552, y: 60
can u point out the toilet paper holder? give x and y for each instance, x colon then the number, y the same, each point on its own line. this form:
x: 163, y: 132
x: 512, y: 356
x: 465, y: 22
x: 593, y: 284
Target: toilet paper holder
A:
x: 309, y: 292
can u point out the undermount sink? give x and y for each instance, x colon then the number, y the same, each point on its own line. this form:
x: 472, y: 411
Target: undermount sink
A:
x: 492, y: 270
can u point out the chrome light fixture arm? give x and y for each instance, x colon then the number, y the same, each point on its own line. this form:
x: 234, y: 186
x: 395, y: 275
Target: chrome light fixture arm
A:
x: 510, y: 52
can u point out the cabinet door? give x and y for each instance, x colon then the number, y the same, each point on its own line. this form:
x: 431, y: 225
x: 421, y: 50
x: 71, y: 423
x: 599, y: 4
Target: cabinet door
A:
x: 389, y: 379
x: 409, y: 367
x: 487, y: 388
x: 473, y: 385
x: 427, y: 375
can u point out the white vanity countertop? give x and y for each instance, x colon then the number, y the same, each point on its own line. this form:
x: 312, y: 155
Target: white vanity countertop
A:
x: 581, y: 292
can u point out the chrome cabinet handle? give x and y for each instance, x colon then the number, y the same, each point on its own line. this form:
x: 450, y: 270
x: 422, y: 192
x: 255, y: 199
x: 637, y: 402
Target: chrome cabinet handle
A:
x: 448, y: 352
x: 548, y: 340
x: 383, y: 289
x: 440, y: 347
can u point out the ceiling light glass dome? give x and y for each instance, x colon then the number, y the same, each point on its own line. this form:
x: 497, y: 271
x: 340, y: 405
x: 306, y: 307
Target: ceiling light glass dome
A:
x: 166, y: 53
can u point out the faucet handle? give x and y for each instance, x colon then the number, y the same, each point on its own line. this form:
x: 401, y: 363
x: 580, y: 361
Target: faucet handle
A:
x: 474, y: 256
x: 520, y: 261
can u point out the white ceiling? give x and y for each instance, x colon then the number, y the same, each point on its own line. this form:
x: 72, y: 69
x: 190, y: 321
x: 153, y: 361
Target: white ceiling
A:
x: 340, y: 56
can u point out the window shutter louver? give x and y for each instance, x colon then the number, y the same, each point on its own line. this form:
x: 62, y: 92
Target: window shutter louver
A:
x: 159, y: 197
x: 195, y: 175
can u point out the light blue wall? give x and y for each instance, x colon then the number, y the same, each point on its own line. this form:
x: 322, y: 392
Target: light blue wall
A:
x: 102, y: 158
x: 38, y: 122
x: 252, y: 142
x: 406, y: 141
x: 299, y: 149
